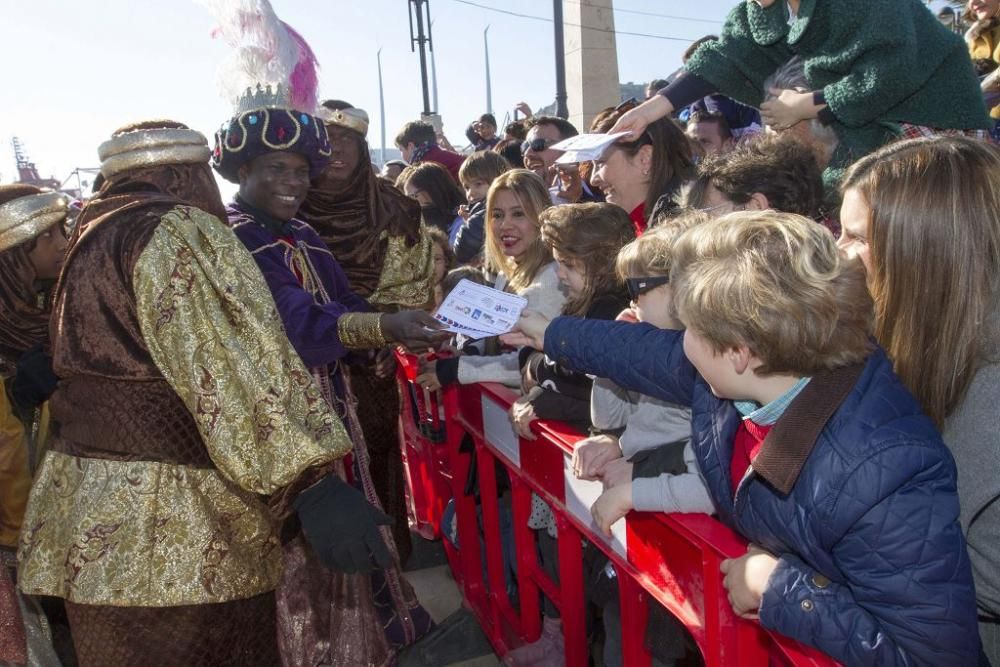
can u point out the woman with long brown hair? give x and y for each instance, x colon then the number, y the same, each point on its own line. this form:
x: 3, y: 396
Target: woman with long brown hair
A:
x: 924, y: 218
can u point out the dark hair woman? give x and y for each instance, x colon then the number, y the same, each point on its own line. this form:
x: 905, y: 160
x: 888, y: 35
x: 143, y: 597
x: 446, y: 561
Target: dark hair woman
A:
x: 644, y: 176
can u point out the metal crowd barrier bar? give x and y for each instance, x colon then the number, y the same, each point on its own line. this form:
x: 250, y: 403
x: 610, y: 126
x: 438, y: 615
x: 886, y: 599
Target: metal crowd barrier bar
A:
x: 670, y: 558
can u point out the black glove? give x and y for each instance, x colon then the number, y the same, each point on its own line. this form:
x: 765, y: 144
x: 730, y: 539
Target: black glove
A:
x: 34, y: 381
x: 342, y: 526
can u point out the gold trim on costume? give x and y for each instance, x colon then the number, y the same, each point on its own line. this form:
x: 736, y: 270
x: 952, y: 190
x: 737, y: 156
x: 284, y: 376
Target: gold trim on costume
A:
x: 212, y: 328
x: 26, y: 217
x: 144, y: 533
x: 144, y: 148
x: 407, y: 278
x: 352, y: 119
x: 361, y: 331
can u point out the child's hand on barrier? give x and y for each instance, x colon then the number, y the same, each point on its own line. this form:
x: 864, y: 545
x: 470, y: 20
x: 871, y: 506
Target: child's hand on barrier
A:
x: 616, y: 473
x: 529, y: 330
x: 746, y: 579
x: 592, y: 454
x: 612, y: 505
x: 522, y: 413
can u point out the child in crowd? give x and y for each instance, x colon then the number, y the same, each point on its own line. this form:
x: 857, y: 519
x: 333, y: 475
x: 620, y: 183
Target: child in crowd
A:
x: 477, y: 173
x: 644, y: 423
x: 444, y: 261
x: 810, y: 445
x: 650, y: 465
x: 585, y: 240
x: 432, y: 187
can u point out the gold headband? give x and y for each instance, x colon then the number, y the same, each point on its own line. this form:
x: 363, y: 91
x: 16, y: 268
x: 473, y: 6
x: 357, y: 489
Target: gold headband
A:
x: 26, y: 217
x: 147, y: 148
x: 352, y: 119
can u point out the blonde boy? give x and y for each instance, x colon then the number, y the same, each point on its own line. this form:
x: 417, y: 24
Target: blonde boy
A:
x: 650, y: 466
x: 476, y: 175
x: 811, y: 447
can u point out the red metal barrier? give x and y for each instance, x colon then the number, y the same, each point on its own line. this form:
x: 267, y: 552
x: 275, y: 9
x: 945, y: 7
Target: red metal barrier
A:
x: 670, y: 558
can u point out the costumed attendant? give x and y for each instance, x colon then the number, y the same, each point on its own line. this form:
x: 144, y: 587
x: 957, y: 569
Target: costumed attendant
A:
x: 878, y: 69
x: 32, y: 245
x: 375, y: 234
x: 272, y: 148
x: 185, y: 428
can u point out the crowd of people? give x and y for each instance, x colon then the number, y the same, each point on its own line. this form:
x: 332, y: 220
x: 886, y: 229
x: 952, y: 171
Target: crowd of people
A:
x: 775, y: 300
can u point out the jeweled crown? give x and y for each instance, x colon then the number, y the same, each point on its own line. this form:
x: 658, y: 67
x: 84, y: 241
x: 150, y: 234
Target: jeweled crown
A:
x: 263, y: 96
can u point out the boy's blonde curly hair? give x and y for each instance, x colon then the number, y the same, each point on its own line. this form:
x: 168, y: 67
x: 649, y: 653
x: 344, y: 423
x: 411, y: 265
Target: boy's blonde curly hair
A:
x: 776, y: 283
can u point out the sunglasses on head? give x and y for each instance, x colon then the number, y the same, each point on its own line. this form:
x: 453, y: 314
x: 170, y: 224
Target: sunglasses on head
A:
x: 627, y: 105
x: 637, y: 286
x: 537, y: 145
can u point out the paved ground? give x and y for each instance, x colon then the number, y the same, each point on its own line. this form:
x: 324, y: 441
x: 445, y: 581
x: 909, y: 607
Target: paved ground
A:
x: 457, y: 642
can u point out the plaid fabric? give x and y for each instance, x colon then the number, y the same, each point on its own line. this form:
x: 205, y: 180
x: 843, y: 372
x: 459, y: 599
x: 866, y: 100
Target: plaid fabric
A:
x: 767, y: 415
x: 911, y: 131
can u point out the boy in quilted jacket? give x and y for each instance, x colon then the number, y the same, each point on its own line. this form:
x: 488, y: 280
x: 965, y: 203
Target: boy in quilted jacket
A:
x: 811, y: 447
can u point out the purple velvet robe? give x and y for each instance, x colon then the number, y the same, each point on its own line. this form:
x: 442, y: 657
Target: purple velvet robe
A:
x: 326, y: 617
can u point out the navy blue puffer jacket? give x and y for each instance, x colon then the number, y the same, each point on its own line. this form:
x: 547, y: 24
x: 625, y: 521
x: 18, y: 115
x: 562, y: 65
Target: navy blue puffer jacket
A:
x: 874, y: 509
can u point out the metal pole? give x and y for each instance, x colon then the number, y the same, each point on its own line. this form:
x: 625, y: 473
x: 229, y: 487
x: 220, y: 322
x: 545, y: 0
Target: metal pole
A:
x: 434, y: 73
x: 489, y: 87
x: 557, y: 18
x: 381, y: 107
x: 420, y: 40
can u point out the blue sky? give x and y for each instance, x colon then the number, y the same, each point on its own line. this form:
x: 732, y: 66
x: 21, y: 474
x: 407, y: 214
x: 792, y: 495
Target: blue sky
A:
x: 75, y: 71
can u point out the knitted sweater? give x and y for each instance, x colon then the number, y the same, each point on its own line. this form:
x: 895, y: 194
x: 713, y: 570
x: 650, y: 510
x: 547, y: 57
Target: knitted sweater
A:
x: 878, y: 63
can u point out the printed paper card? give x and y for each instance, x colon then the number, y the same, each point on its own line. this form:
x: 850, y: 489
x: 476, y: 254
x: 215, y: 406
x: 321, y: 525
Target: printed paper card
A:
x: 585, y: 147
x: 478, y: 311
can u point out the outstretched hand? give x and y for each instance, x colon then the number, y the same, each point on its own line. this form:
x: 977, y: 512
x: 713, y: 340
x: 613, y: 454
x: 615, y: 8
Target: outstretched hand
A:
x: 415, y: 330
x: 529, y: 330
x: 635, y: 121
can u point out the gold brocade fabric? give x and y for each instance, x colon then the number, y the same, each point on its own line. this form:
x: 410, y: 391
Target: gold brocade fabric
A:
x: 361, y: 331
x: 214, y: 332
x: 407, y: 278
x: 15, y: 476
x: 141, y: 533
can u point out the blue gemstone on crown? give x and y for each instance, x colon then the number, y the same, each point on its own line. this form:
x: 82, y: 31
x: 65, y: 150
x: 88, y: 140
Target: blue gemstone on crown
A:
x: 252, y: 119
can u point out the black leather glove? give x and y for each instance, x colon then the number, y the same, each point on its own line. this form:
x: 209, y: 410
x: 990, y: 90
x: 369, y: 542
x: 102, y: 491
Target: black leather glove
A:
x: 34, y: 381
x: 342, y: 526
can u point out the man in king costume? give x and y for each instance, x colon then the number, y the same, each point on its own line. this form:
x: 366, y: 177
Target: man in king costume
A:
x: 186, y: 430
x: 272, y: 148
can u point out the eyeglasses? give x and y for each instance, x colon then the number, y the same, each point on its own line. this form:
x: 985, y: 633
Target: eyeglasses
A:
x: 637, y: 286
x: 536, y: 145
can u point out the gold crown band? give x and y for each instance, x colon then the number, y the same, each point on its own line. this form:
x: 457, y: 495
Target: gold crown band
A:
x: 26, y: 217
x: 146, y: 148
x: 352, y: 119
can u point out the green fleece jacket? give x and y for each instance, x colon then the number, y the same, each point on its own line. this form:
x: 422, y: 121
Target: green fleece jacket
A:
x: 878, y: 62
